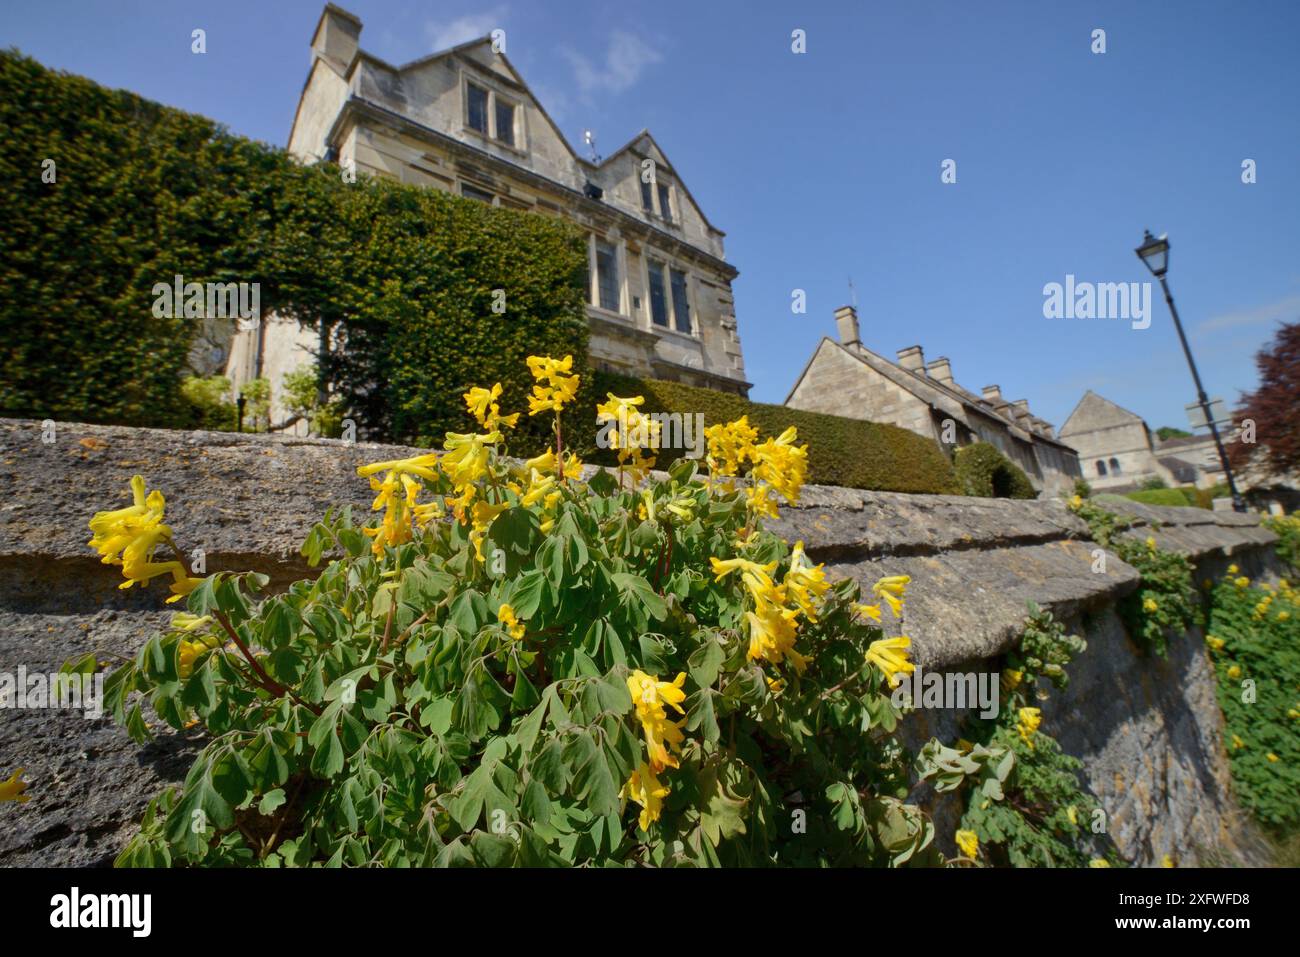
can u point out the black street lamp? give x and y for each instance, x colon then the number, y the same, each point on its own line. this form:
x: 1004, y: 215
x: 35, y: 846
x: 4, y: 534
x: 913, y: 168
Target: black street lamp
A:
x: 1154, y: 252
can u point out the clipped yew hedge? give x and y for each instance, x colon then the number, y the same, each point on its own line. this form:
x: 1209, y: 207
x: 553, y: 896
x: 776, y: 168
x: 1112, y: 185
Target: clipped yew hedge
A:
x: 984, y: 471
x: 406, y: 277
x: 848, y: 452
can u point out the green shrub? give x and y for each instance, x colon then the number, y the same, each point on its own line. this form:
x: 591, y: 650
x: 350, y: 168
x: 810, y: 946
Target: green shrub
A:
x: 1254, y: 642
x: 1154, y: 482
x: 984, y: 471
x: 848, y: 452
x: 210, y: 405
x: 563, y: 673
x: 1287, y: 530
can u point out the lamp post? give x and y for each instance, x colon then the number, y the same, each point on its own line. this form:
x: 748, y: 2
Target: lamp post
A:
x: 1154, y: 252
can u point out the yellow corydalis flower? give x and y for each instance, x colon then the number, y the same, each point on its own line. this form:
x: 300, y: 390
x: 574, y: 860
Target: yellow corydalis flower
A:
x: 1149, y: 605
x: 555, y: 387
x: 129, y: 537
x: 649, y: 698
x: 890, y: 655
x: 1027, y: 725
x: 1216, y: 644
x: 644, y: 788
x: 513, y: 626
x: 968, y: 843
x: 483, y: 406
x: 1099, y: 862
x: 13, y: 789
x: 730, y: 446
x: 805, y: 583
x: 781, y: 464
x: 890, y: 590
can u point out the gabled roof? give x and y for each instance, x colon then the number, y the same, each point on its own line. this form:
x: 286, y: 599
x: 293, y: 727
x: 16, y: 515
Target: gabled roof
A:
x: 942, y: 396
x: 460, y: 48
x: 1097, y: 404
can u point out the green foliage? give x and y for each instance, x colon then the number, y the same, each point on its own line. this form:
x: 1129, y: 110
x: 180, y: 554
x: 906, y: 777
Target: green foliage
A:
x: 301, y: 395
x: 209, y: 402
x: 1166, y: 600
x: 1039, y: 816
x: 848, y: 452
x: 1287, y: 530
x: 984, y: 471
x: 1082, y: 488
x: 1175, y: 497
x: 1254, y: 642
x: 384, y: 714
x: 404, y: 274
x: 1154, y: 482
x: 1167, y: 432
x: 256, y: 394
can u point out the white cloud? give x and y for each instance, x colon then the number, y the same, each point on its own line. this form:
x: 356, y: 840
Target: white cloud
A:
x: 444, y: 34
x: 1283, y: 310
x: 626, y: 58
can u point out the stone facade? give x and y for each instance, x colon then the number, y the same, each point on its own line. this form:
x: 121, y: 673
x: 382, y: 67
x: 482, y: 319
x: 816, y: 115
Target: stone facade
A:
x: 464, y: 121
x: 1118, y: 451
x: 846, y: 378
x: 1149, y: 731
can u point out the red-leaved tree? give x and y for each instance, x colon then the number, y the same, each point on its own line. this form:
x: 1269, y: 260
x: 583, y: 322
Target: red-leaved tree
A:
x: 1274, y: 407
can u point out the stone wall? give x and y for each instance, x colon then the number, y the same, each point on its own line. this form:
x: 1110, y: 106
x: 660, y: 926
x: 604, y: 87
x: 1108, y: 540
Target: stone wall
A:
x: 1148, y: 730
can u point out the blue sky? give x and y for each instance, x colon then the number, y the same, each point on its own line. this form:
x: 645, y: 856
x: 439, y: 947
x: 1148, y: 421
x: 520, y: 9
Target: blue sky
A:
x: 826, y: 165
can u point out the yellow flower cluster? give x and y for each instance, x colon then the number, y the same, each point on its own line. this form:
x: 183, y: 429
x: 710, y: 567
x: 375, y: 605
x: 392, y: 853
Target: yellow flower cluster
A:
x: 555, y: 387
x: 398, y: 491
x: 890, y: 656
x: 773, y: 621
x: 1030, y: 719
x: 778, y: 465
x: 486, y: 411
x: 130, y: 536
x: 634, y: 432
x: 663, y: 736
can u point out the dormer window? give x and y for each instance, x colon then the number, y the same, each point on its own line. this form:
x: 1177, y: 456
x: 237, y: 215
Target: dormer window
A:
x: 491, y: 115
x: 647, y: 198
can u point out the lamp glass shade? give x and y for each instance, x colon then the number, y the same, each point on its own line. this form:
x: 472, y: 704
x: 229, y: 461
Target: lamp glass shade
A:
x: 1155, y: 253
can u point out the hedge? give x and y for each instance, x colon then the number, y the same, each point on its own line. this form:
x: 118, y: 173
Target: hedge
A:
x: 847, y: 452
x: 402, y: 274
x: 1162, y: 496
x: 984, y: 471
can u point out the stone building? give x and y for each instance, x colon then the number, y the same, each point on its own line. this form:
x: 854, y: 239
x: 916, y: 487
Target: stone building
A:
x: 463, y: 120
x: 846, y: 378
x: 1118, y: 451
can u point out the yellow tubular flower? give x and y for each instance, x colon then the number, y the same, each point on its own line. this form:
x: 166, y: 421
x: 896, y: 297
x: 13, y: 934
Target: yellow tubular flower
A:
x: 644, y: 788
x: 1099, y: 862
x: 506, y: 616
x: 1030, y: 719
x: 868, y: 611
x: 890, y: 590
x: 968, y: 843
x: 554, y: 388
x: 421, y: 465
x: 1149, y: 605
x: 649, y: 696
x: 780, y: 464
x: 12, y: 789
x: 805, y: 583
x: 483, y: 406
x: 890, y: 656
x: 129, y: 537
x: 730, y: 446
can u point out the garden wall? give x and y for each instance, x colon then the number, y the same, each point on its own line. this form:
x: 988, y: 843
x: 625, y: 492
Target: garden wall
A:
x: 1148, y: 730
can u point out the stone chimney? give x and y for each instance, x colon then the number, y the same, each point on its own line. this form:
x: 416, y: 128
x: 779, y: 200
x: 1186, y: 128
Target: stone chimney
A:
x: 912, y: 358
x: 992, y: 393
x: 846, y: 321
x: 940, y: 370
x: 336, y: 37
x: 1022, y: 405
